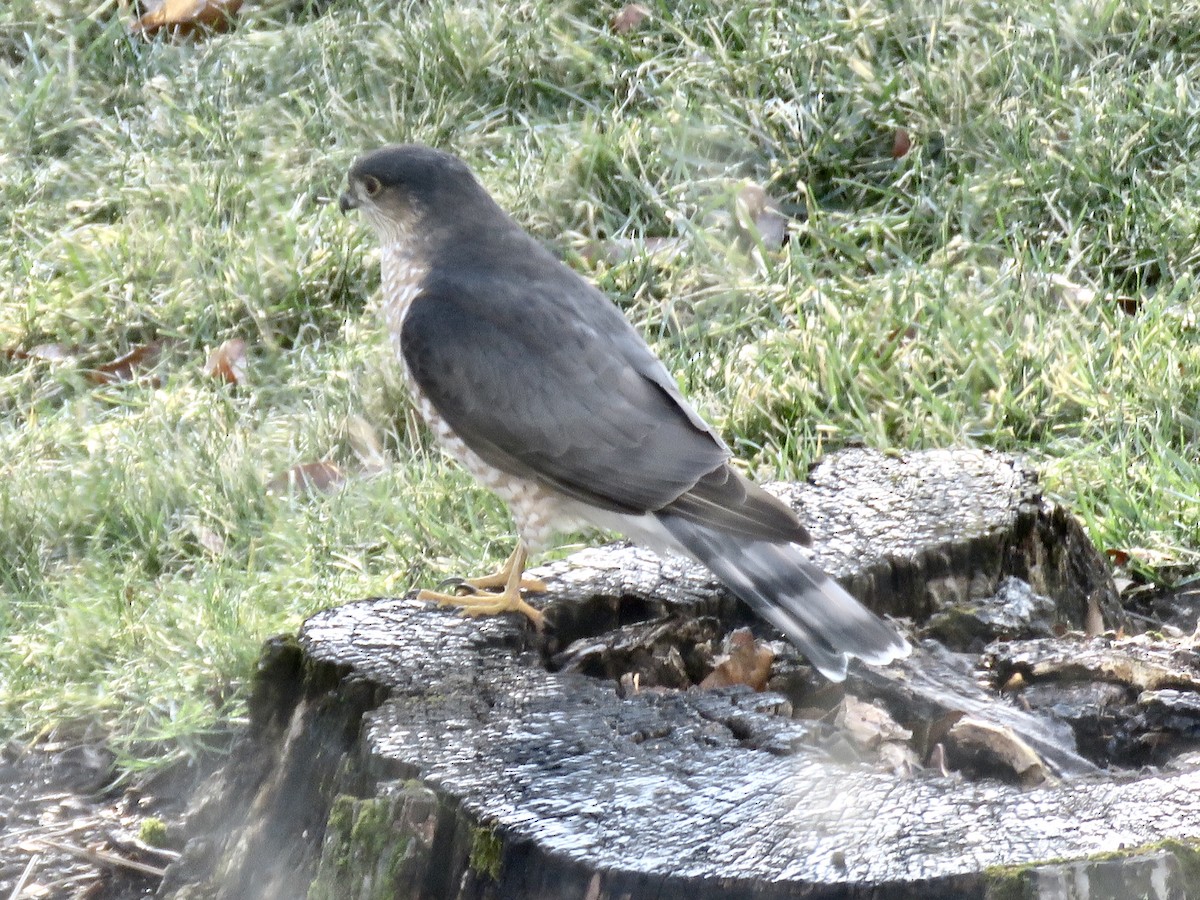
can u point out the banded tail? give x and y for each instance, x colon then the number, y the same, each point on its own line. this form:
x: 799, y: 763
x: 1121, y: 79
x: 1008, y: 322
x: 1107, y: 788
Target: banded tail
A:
x: 777, y: 581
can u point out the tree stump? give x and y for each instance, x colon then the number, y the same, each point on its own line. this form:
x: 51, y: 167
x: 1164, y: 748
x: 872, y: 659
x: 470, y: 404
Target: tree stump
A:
x: 400, y: 750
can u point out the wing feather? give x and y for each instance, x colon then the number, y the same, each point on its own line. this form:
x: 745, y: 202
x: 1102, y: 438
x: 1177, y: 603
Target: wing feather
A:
x: 544, y: 378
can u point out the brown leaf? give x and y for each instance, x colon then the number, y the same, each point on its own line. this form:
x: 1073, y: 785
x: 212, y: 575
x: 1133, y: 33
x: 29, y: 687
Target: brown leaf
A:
x: 228, y: 362
x: 760, y: 215
x: 44, y: 352
x: 867, y: 725
x: 187, y: 17
x: 1129, y: 305
x: 995, y: 749
x: 1141, y: 556
x: 628, y: 18
x: 133, y: 365
x: 897, y: 337
x: 745, y: 662
x: 900, y: 759
x: 308, y: 478
x: 901, y: 144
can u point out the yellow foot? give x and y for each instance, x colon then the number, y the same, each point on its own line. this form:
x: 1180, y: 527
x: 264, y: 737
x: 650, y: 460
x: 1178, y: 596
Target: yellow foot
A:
x: 479, y: 601
x: 487, y: 604
x: 500, y: 580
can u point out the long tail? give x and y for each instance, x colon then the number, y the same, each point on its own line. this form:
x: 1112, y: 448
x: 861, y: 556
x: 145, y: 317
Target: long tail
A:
x: 778, y: 582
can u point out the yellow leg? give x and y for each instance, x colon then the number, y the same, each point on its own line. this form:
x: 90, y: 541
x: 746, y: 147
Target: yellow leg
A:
x: 483, y: 602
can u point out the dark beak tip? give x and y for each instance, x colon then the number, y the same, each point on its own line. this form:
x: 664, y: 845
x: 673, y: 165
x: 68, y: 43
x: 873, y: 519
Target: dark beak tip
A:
x: 347, y: 203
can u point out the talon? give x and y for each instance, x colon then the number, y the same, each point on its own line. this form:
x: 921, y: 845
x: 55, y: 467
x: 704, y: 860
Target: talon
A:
x: 455, y: 583
x: 482, y: 601
x: 501, y: 578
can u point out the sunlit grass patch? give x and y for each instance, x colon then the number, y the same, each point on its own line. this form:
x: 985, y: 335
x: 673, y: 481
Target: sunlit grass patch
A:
x: 1020, y: 277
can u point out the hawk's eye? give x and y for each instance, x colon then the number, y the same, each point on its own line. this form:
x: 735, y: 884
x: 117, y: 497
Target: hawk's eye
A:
x: 372, y: 185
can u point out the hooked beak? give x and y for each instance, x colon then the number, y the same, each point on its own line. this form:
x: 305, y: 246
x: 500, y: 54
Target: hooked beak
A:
x: 347, y: 202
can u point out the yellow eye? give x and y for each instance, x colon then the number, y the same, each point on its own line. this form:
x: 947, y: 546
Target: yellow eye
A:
x: 372, y: 185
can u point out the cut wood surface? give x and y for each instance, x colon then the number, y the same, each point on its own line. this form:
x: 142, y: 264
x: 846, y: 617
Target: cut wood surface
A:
x: 402, y: 750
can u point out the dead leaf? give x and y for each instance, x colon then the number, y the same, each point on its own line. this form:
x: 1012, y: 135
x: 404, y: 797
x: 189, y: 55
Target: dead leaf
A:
x: 984, y: 745
x: 897, y: 337
x: 228, y: 362
x: 187, y: 17
x: 136, y: 364
x: 1117, y: 557
x: 1141, y: 556
x: 308, y: 478
x: 1129, y: 305
x: 628, y: 18
x: 868, y: 726
x: 899, y: 758
x: 760, y: 215
x: 745, y: 661
x: 901, y: 144
x: 44, y: 352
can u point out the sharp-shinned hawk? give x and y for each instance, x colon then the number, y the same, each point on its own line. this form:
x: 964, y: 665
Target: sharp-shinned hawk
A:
x: 535, y: 381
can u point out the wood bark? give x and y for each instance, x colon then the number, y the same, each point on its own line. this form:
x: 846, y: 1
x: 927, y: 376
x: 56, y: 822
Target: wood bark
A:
x: 400, y: 750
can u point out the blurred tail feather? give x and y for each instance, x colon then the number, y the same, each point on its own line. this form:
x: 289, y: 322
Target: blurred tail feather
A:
x: 781, y: 585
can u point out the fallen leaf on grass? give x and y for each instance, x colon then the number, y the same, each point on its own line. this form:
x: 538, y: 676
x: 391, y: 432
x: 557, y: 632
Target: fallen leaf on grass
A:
x: 897, y: 337
x: 1146, y: 557
x: 901, y: 144
x: 1128, y: 305
x: 44, y: 352
x: 308, y: 478
x: 1117, y: 556
x: 187, y: 17
x: 628, y: 18
x: 135, y: 364
x: 745, y: 661
x: 228, y: 362
x: 1125, y: 585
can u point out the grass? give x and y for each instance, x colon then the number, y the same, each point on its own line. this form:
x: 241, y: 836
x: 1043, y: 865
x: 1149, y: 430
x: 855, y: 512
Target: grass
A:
x: 976, y: 291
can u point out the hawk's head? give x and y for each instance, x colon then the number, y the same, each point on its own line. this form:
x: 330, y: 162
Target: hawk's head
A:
x: 411, y: 191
